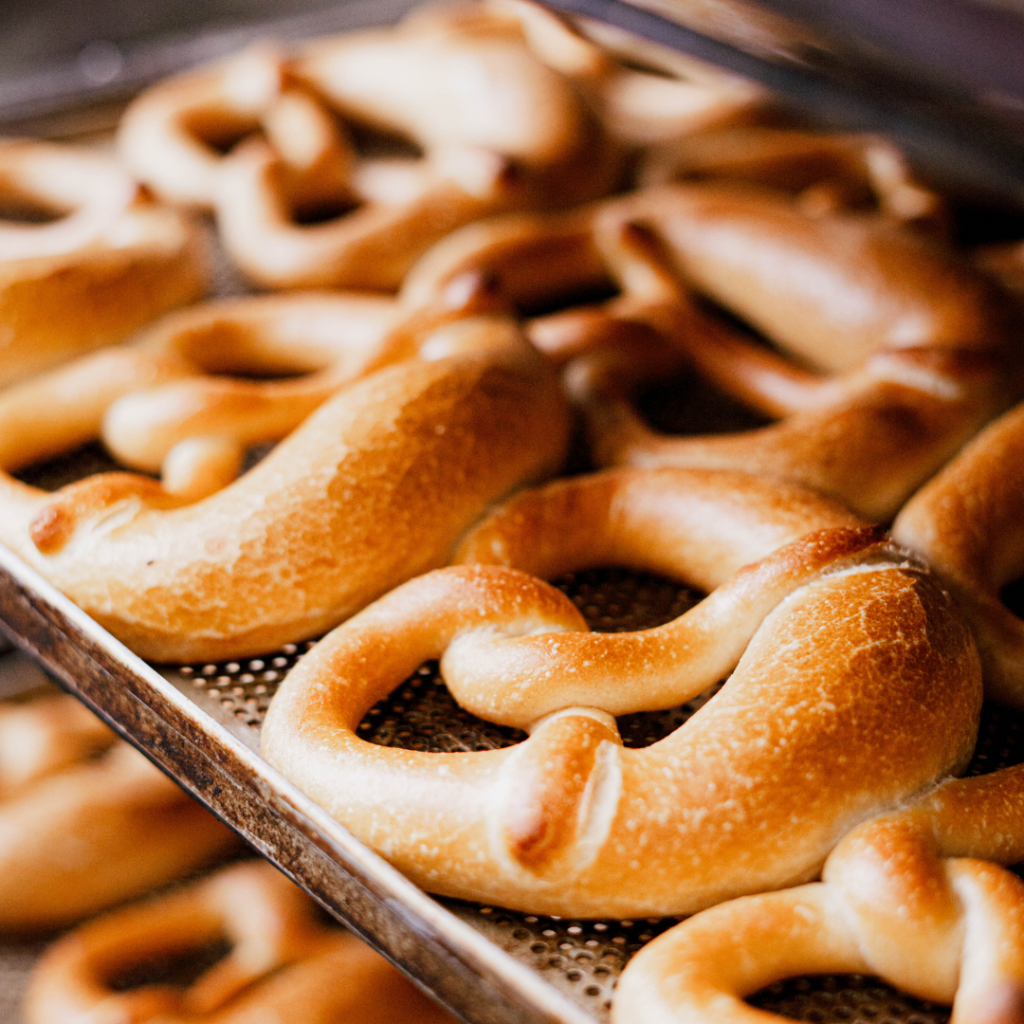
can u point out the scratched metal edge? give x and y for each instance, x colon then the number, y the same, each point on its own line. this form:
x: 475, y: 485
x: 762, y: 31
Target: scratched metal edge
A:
x: 467, y: 973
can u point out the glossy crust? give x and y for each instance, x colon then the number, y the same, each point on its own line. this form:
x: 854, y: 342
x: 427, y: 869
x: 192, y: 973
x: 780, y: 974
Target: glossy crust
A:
x: 742, y: 798
x: 298, y: 206
x: 967, y: 523
x: 915, y: 897
x: 894, y: 353
x: 109, y: 263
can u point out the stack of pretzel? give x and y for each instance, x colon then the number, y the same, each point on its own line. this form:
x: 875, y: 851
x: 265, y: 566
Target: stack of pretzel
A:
x: 464, y: 191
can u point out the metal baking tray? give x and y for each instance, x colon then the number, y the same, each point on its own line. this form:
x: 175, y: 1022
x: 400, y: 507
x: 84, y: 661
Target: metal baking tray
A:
x: 200, y: 723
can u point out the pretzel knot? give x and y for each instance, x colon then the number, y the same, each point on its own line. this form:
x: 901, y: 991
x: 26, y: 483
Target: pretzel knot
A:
x: 99, y: 261
x: 86, y: 822
x: 569, y: 822
x: 911, y: 896
x: 966, y: 522
x: 892, y: 352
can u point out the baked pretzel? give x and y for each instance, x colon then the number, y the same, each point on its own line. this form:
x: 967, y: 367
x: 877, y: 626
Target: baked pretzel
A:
x: 85, y: 821
x: 825, y: 172
x: 166, y: 405
x: 485, y: 152
x: 107, y: 263
x: 911, y: 896
x: 283, y: 965
x: 350, y: 503
x: 898, y: 353
x: 967, y: 523
x: 638, y: 108
x: 450, y: 84
x: 571, y: 823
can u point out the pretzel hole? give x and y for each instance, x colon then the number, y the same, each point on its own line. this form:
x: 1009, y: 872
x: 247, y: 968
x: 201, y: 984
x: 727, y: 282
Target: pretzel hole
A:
x: 688, y: 403
x: 309, y: 215
x: 374, y: 143
x: 422, y: 715
x: 24, y: 210
x: 179, y: 969
x: 846, y: 999
x: 585, y: 293
x: 1012, y: 596
x: 72, y: 466
x: 92, y: 459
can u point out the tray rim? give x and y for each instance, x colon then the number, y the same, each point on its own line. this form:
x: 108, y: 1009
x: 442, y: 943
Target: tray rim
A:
x: 55, y: 632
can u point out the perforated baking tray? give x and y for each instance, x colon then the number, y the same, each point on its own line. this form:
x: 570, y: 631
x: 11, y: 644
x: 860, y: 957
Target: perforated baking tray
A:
x: 200, y: 723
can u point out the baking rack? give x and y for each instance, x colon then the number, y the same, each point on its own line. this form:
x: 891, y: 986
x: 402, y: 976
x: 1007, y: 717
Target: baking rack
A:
x: 200, y: 723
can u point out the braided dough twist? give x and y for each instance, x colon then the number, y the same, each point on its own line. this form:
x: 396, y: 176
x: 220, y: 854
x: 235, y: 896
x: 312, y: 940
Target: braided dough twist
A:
x: 342, y: 510
x: 80, y: 832
x: 283, y: 965
x: 967, y: 523
x: 912, y: 896
x: 108, y: 264
x: 905, y: 352
x: 569, y: 822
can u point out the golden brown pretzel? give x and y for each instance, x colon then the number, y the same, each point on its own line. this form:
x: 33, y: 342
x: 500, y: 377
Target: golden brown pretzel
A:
x: 517, y: 135
x: 571, y: 823
x: 967, y: 523
x: 165, y: 404
x: 637, y: 107
x: 108, y: 263
x: 825, y: 171
x: 453, y: 84
x: 375, y: 486
x: 901, y: 353
x: 283, y: 964
x: 912, y: 896
x: 79, y: 831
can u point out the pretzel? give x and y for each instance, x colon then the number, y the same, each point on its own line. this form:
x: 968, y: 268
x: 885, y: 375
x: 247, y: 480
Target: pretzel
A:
x: 265, y: 190
x: 637, y: 107
x: 825, y: 172
x: 85, y: 821
x: 569, y: 822
x: 905, y: 353
x: 911, y: 896
x: 283, y: 964
x: 348, y: 502
x: 966, y: 522
x: 451, y: 86
x: 109, y: 263
x: 165, y: 405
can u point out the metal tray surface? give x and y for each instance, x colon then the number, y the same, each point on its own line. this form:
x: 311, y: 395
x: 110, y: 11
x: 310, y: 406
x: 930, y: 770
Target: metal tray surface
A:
x: 200, y: 724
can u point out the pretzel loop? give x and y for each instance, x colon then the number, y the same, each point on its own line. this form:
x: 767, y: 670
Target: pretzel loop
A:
x: 105, y: 264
